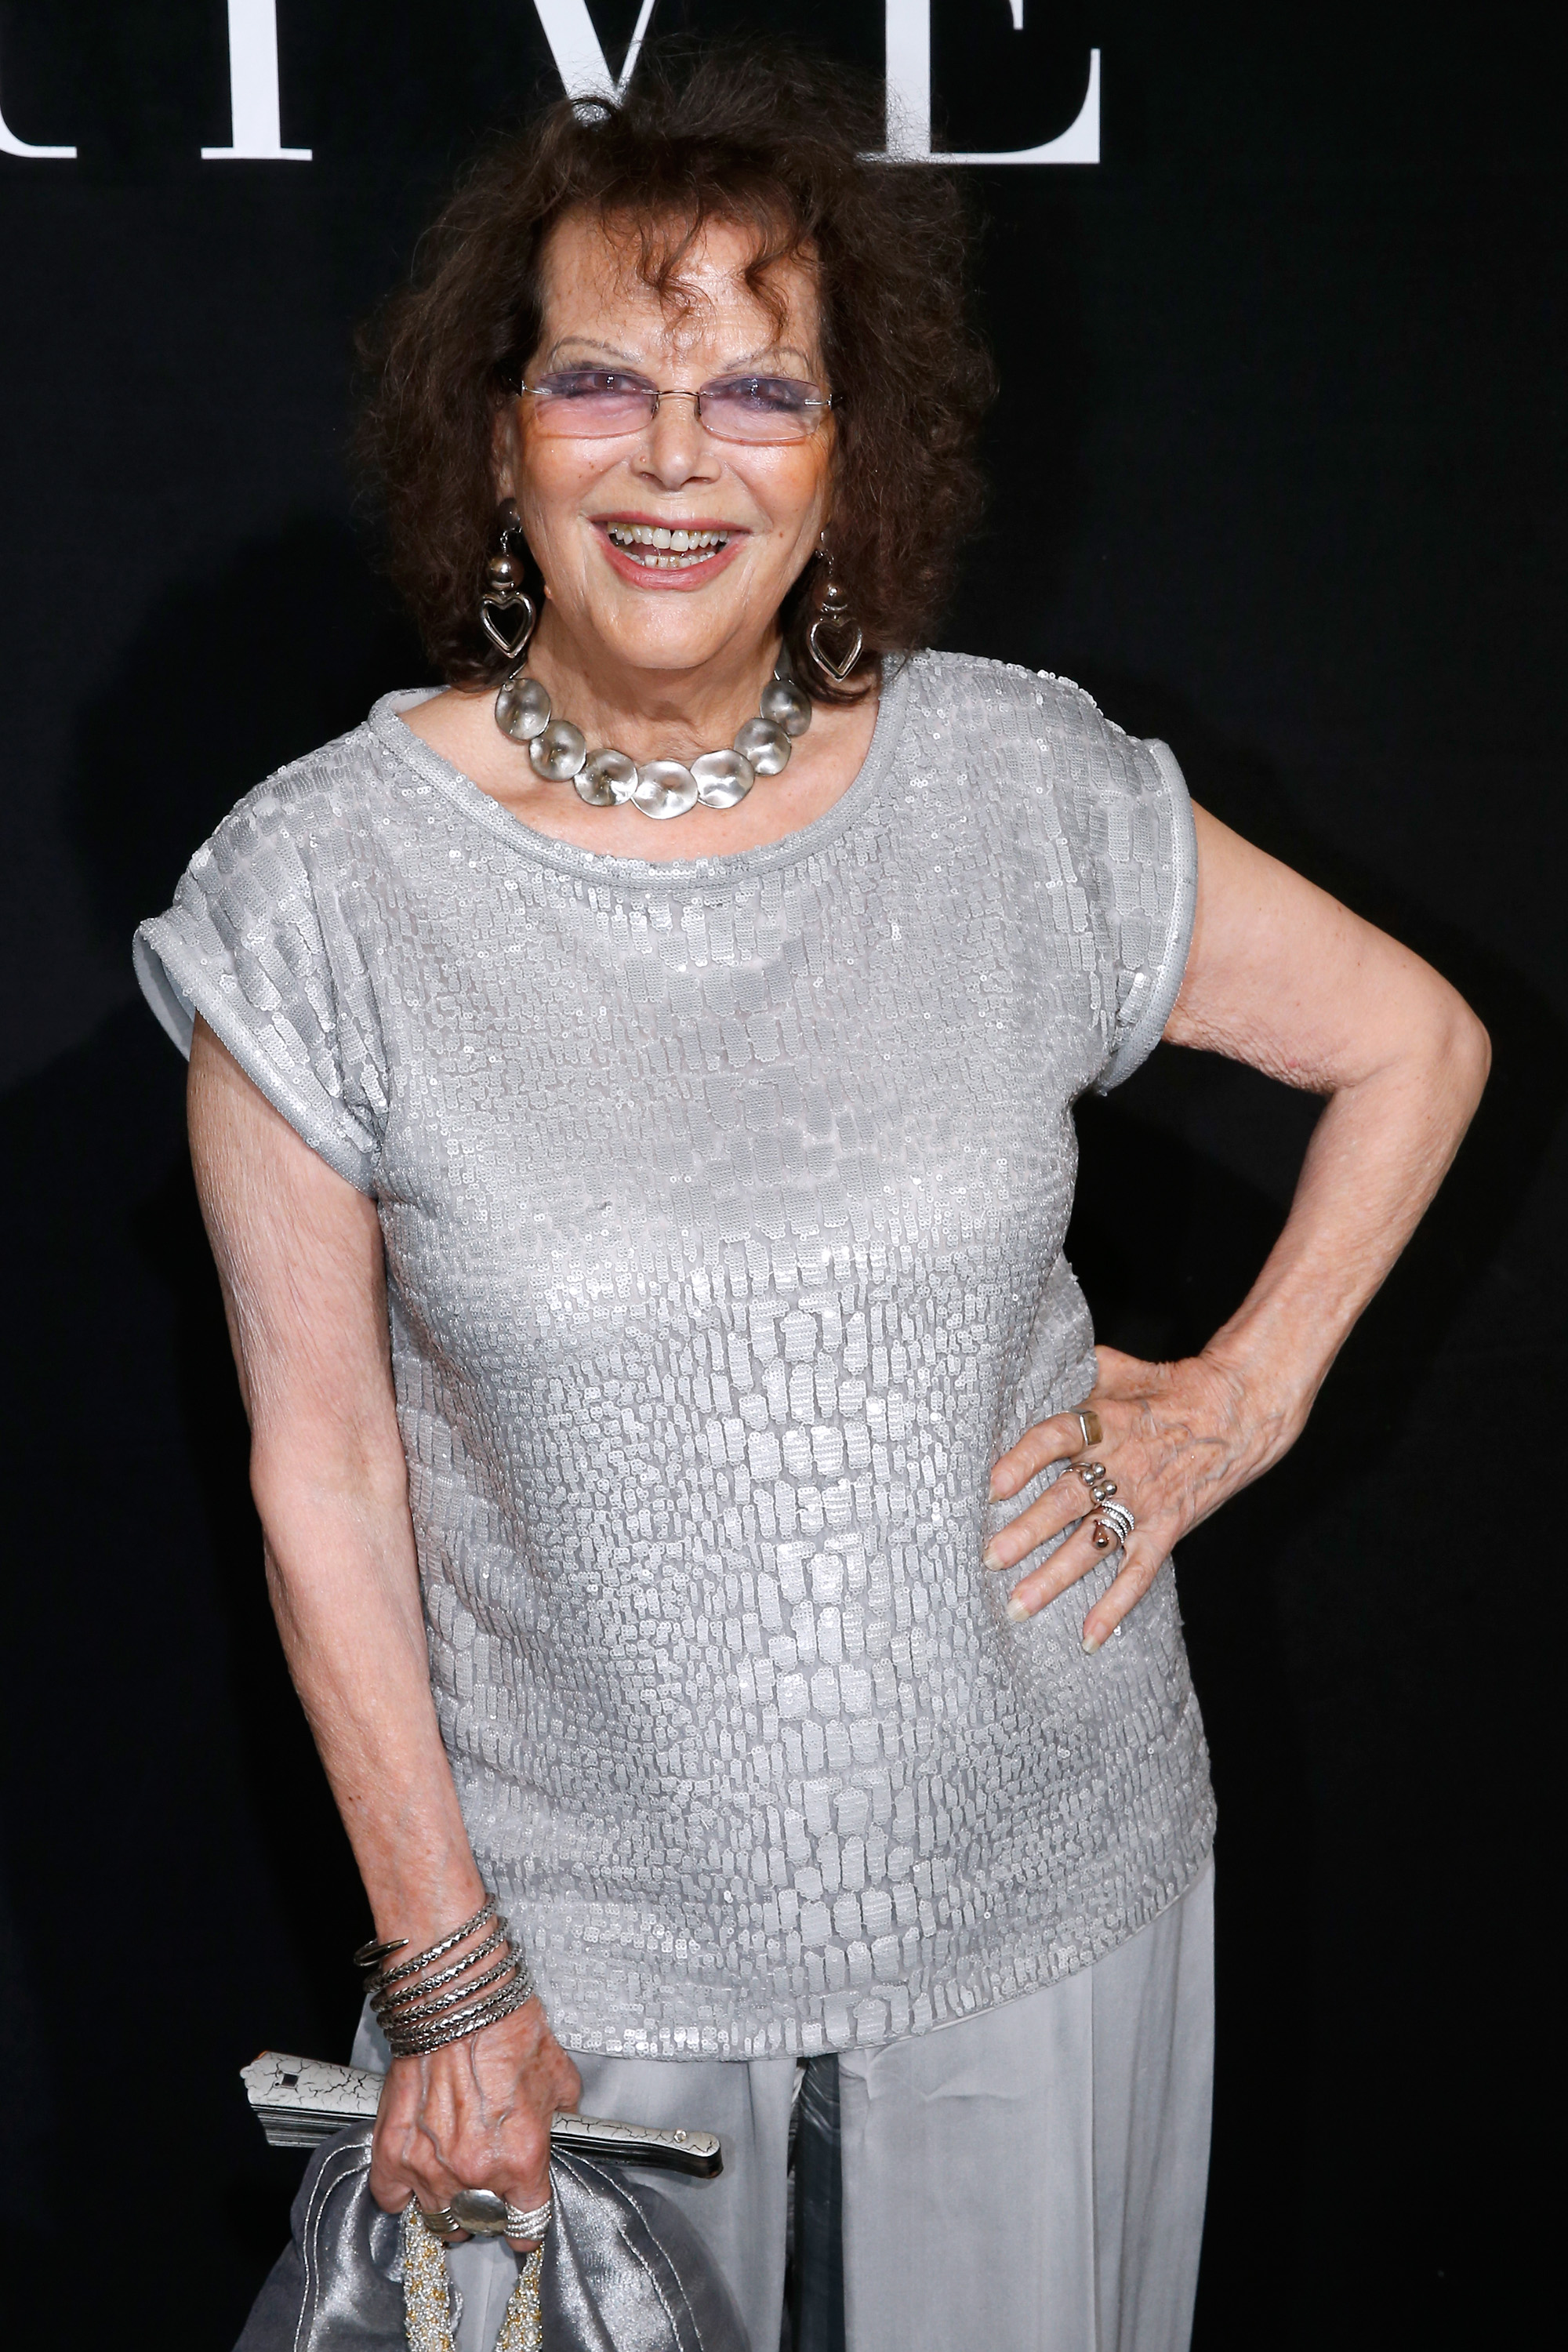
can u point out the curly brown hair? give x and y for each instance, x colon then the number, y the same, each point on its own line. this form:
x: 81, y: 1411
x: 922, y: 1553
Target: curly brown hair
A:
x: 764, y: 138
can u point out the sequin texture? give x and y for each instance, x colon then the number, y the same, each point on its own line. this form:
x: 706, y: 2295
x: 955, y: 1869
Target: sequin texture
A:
x: 723, y: 1205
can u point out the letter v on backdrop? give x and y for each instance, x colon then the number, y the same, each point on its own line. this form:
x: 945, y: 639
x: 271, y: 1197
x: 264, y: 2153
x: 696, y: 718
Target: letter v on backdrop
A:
x: 584, y: 72
x: 256, y: 135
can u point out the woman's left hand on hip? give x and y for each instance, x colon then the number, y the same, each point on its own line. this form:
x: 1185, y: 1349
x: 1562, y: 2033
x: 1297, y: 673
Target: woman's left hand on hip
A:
x: 1175, y: 1441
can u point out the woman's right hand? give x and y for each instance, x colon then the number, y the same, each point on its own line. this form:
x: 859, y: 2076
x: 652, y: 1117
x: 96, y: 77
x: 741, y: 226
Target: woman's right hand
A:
x: 474, y: 2115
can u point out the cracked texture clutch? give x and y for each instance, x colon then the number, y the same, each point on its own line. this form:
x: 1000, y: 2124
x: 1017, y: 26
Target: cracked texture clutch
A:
x: 300, y: 2102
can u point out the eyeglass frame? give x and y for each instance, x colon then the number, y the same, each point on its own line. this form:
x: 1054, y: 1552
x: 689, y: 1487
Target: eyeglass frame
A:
x: 657, y: 393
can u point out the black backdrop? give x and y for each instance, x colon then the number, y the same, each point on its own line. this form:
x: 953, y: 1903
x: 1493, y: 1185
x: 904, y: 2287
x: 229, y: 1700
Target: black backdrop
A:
x: 1279, y: 478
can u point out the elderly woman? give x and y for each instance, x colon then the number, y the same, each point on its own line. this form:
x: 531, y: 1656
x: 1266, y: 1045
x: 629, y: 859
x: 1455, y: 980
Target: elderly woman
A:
x: 631, y: 1096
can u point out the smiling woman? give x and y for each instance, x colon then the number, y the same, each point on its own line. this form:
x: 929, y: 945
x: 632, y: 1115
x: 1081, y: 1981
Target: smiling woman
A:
x: 667, y: 462
x: 766, y: 149
x: 672, y: 335
x: 731, y: 1594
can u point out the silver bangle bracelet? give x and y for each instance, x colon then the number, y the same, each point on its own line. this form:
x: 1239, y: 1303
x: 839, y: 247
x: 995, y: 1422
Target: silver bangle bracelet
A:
x: 382, y: 2001
x: 416, y: 2013
x: 466, y: 2022
x: 375, y: 1956
x: 415, y: 2019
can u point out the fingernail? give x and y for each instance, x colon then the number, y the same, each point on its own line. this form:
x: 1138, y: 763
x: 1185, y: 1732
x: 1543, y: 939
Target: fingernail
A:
x: 992, y: 1489
x: 1018, y: 1611
x: 988, y: 1557
x: 1091, y: 1643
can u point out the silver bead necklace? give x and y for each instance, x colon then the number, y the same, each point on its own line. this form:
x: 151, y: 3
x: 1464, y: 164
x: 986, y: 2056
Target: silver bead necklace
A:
x: 659, y: 788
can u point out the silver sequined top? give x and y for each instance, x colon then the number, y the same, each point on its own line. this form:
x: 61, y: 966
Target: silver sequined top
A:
x: 724, y: 1206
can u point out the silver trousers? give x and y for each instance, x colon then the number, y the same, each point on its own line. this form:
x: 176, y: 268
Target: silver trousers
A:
x: 1031, y: 2178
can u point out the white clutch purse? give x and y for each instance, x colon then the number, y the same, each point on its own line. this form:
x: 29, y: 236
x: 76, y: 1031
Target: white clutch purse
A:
x: 300, y: 2102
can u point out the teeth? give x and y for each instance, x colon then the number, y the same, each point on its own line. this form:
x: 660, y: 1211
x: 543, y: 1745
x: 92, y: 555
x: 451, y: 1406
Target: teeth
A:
x: 647, y: 544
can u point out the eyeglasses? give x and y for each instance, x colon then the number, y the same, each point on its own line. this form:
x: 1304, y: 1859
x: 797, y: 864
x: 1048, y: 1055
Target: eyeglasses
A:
x: 597, y: 403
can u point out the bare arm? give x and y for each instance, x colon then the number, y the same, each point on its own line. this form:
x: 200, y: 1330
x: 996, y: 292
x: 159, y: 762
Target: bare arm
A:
x: 1282, y: 977
x: 299, y: 1257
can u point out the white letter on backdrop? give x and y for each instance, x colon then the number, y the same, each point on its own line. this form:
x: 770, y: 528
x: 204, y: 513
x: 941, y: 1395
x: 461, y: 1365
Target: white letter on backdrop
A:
x: 11, y: 145
x: 255, y: 126
x: 907, y: 26
x: 578, y: 53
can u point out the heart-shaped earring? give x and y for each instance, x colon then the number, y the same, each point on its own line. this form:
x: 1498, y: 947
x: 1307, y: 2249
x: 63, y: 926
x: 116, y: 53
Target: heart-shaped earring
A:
x: 505, y: 593
x: 515, y: 600
x: 833, y: 640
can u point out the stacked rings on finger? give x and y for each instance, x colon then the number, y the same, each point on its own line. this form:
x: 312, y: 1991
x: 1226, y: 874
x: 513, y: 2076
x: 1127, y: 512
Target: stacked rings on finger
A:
x: 533, y: 2221
x: 1114, y: 1523
x: 483, y: 2214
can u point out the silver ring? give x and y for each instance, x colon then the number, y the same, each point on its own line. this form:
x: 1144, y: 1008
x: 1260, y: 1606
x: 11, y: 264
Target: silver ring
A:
x: 483, y: 2214
x: 1101, y: 1486
x: 1088, y: 1421
x: 533, y: 2222
x: 1116, y: 1519
x: 443, y: 2221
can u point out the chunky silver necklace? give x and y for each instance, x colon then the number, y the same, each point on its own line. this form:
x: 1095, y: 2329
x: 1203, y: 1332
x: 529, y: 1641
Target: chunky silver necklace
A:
x: 658, y: 787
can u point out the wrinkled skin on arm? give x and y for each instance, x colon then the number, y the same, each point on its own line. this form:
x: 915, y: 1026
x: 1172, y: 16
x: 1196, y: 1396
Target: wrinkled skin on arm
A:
x: 299, y: 1257
x: 1283, y: 977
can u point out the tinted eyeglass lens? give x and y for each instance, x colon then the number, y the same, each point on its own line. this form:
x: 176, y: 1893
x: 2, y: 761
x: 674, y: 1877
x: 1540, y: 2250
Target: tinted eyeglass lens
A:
x: 591, y: 404
x: 762, y: 408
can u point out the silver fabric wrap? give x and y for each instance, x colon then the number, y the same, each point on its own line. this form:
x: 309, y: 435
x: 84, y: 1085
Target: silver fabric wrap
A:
x: 621, y: 2267
x: 723, y: 1205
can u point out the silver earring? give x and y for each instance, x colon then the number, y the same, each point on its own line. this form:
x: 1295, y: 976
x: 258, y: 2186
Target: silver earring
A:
x: 505, y: 593
x: 833, y: 640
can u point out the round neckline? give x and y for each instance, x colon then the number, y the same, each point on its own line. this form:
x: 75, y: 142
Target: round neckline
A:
x: 385, y: 723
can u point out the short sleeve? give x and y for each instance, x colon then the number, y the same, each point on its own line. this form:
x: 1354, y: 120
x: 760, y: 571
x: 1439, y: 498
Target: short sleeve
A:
x: 244, y: 946
x: 1144, y: 849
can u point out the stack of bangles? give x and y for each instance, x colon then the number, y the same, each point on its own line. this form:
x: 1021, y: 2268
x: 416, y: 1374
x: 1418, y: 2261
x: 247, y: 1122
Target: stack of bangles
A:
x: 1114, y: 1522
x: 416, y: 2010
